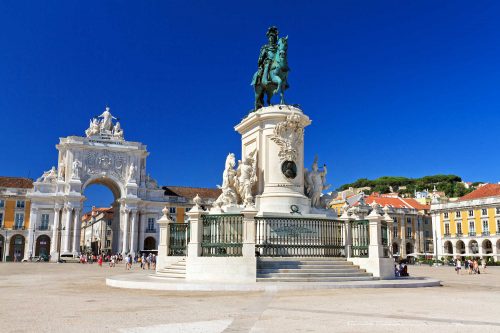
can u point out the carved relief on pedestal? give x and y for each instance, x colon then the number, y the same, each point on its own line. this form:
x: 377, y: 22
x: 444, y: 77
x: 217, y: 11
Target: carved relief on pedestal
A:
x: 288, y: 135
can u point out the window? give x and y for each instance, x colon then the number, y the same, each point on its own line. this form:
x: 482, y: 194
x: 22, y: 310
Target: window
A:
x: 498, y: 226
x: 445, y: 215
x: 151, y: 223
x: 408, y: 232
x: 189, y: 208
x: 427, y: 234
x: 19, y: 221
x: 2, y: 204
x: 426, y: 220
x: 498, y: 209
x: 44, y: 225
x: 173, y: 210
x: 472, y: 227
x: 486, y: 227
x: 108, y: 243
x: 395, y: 219
x: 446, y: 228
x: 459, y: 228
x: 20, y: 204
x: 484, y: 211
x: 1, y: 220
x: 395, y: 231
x: 110, y: 222
x: 471, y: 212
x: 458, y: 214
x: 408, y: 220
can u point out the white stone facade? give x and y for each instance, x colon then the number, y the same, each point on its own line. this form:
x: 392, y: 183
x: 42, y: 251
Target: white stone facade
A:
x: 99, y: 158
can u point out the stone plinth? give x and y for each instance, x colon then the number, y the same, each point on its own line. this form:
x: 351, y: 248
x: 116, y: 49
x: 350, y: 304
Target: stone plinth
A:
x: 275, y: 193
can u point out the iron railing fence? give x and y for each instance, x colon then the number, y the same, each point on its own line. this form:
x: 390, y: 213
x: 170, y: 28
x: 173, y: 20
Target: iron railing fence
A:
x: 385, y: 239
x: 298, y: 237
x: 360, y: 238
x: 222, y: 235
x: 179, y: 239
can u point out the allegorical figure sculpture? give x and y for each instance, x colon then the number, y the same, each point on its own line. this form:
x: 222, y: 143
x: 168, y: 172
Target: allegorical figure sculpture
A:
x: 131, y: 173
x: 229, y: 195
x: 315, y: 183
x: 237, y: 184
x: 247, y: 178
x: 48, y: 176
x: 76, y: 169
x: 272, y: 72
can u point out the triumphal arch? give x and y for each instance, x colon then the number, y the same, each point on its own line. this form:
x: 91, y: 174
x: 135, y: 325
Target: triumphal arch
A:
x: 102, y: 156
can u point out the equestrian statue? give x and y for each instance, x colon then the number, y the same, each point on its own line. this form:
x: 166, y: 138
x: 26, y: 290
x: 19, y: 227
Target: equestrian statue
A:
x: 272, y: 73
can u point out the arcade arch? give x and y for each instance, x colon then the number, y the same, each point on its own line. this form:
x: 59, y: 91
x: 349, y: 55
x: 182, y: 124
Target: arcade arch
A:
x: 42, y: 246
x: 448, y: 247
x: 16, y: 250
x: 460, y: 247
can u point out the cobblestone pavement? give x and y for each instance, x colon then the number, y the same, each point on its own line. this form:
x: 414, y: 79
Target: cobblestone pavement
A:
x: 42, y: 297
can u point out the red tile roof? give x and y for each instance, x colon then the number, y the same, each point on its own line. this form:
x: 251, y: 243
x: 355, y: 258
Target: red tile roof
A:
x: 395, y: 202
x: 488, y: 190
x: 16, y: 182
x: 107, y: 210
x: 191, y: 192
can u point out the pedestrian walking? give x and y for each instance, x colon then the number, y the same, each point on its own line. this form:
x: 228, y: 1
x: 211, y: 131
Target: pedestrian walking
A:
x: 458, y: 266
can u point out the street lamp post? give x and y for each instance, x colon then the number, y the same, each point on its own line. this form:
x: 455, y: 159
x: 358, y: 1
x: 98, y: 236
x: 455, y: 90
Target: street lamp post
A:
x: 435, y: 247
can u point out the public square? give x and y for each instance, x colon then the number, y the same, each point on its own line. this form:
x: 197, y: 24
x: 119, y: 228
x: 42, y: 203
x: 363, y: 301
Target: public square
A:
x: 43, y: 297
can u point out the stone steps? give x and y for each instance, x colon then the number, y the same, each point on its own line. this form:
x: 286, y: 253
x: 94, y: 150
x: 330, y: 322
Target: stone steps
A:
x: 175, y: 271
x: 309, y: 270
x: 324, y: 279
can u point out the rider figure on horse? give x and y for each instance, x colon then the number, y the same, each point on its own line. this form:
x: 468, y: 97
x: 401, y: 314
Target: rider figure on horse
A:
x: 266, y: 57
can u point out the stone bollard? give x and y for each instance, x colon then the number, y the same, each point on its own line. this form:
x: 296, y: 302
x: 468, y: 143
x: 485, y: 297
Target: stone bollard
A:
x: 164, y: 225
x: 347, y: 234
x: 196, y: 219
x: 375, y: 248
x: 249, y: 214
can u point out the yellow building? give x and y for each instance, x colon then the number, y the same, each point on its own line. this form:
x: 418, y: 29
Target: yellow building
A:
x: 470, y: 226
x: 15, y: 220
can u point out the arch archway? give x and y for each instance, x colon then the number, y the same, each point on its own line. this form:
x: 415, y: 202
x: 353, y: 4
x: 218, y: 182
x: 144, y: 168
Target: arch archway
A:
x: 487, y: 247
x: 2, y: 245
x: 473, y: 247
x: 395, y: 248
x: 100, y: 229
x: 17, y: 247
x: 448, y: 247
x: 460, y: 247
x: 149, y: 243
x: 42, y: 246
x: 409, y: 248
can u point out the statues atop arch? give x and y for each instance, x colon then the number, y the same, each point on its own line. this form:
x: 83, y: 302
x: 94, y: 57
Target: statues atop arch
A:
x: 102, y: 126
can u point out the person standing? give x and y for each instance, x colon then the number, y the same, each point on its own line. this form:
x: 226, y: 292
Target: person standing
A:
x: 100, y: 260
x: 458, y: 266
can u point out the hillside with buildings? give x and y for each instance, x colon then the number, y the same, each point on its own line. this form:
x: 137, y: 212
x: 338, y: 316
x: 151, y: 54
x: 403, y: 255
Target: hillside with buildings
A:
x: 450, y: 185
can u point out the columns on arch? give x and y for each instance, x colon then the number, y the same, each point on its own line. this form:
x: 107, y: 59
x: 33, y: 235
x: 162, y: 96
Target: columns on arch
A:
x: 56, y: 228
x: 77, y: 225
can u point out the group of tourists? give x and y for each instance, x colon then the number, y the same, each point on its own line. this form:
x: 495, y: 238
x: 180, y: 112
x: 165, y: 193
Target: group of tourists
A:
x: 470, y: 266
x: 401, y: 270
x: 146, y: 261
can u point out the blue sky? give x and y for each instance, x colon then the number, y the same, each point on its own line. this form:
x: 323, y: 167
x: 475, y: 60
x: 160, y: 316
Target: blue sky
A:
x: 405, y: 88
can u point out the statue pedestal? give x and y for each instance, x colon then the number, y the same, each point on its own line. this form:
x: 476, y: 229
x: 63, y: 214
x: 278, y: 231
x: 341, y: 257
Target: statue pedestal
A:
x: 276, y: 193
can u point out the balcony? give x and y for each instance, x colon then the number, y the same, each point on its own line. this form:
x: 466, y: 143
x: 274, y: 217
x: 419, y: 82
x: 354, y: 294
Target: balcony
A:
x: 151, y: 231
x: 43, y: 227
x: 472, y: 233
x: 485, y: 233
x: 448, y: 235
x: 459, y: 234
x: 18, y: 227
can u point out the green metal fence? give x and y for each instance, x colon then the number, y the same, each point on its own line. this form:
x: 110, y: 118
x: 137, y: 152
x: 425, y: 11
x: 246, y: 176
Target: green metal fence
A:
x: 385, y: 239
x: 179, y: 239
x: 298, y: 237
x: 222, y: 235
x: 360, y: 238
